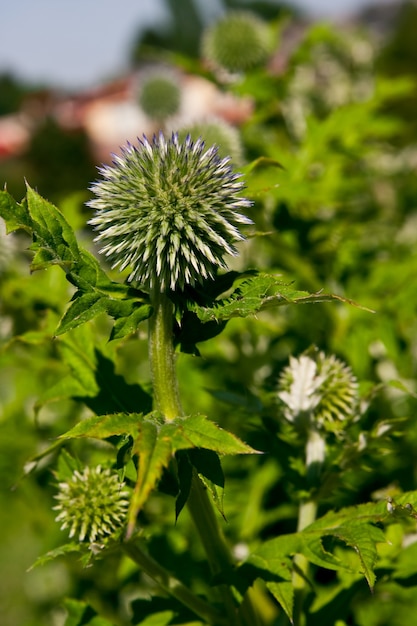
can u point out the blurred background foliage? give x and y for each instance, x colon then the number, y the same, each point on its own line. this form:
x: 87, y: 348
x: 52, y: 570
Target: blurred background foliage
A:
x: 333, y: 135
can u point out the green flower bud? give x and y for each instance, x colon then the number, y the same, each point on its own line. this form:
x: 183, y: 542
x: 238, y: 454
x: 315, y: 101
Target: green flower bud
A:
x: 216, y: 132
x: 92, y: 505
x: 320, y: 392
x: 169, y: 210
x: 159, y: 95
x: 237, y: 42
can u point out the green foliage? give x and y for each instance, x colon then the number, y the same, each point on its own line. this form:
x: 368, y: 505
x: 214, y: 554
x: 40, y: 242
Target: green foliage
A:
x: 317, y: 515
x: 54, y: 243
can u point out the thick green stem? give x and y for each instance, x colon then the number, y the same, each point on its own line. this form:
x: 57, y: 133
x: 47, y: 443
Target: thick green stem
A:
x: 306, y: 515
x: 173, y: 586
x: 167, y: 401
x: 162, y: 358
x: 315, y: 454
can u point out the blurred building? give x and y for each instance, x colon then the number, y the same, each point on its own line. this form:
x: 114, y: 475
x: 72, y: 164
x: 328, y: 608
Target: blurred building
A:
x: 110, y: 114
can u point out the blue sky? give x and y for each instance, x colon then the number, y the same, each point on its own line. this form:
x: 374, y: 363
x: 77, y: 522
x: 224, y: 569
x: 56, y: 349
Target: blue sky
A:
x: 76, y: 43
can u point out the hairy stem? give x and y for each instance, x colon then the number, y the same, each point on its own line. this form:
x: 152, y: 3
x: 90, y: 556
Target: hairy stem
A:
x: 167, y: 401
x: 315, y: 454
x: 162, y: 358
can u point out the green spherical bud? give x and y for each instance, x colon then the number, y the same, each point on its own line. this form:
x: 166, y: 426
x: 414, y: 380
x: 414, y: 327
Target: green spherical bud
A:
x: 92, y: 504
x: 320, y: 392
x: 216, y: 132
x: 169, y: 210
x: 237, y: 42
x: 159, y: 95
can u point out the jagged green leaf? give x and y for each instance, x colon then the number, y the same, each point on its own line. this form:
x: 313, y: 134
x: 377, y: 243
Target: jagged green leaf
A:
x: 257, y: 292
x: 209, y: 469
x: 57, y: 552
x: 104, y: 426
x: 157, y: 442
x: 154, y: 451
x: 184, y: 476
x: 54, y: 240
x: 274, y: 567
x: 54, y: 243
x: 312, y: 548
x: 283, y: 593
x: 14, y: 214
x: 128, y: 325
x: 203, y: 433
x: 128, y: 313
x: 363, y: 538
x: 84, y: 307
x: 358, y: 527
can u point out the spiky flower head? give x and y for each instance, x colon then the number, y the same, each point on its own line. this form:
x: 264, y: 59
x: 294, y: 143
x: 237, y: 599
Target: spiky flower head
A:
x: 216, y: 132
x: 320, y: 392
x: 237, y: 42
x: 92, y: 504
x: 169, y: 210
x: 159, y: 94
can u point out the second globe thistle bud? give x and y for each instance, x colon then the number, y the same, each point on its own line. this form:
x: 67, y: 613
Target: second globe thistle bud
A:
x: 159, y: 94
x: 216, y: 132
x: 169, y: 210
x: 237, y: 42
x: 321, y: 392
x: 92, y: 505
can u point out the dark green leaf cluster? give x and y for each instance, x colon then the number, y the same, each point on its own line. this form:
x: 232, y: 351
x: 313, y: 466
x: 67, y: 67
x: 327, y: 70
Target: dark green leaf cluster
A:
x: 54, y: 243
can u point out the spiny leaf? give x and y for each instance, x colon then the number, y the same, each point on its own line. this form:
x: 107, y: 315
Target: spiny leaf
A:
x: 57, y: 552
x: 355, y: 526
x: 14, y: 214
x: 157, y: 442
x: 104, y: 426
x: 184, y: 477
x: 54, y: 239
x: 247, y: 298
x: 55, y: 243
x: 127, y: 325
x: 154, y: 453
x: 257, y: 292
x: 283, y: 593
x: 203, y: 433
x: 85, y: 307
x: 275, y: 569
x: 363, y: 538
x: 208, y: 466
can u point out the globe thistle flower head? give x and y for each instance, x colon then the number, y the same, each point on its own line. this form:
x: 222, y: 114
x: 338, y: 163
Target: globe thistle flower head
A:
x: 169, y: 210
x: 216, y: 132
x: 320, y: 392
x: 92, y: 504
x: 159, y: 94
x: 237, y: 42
